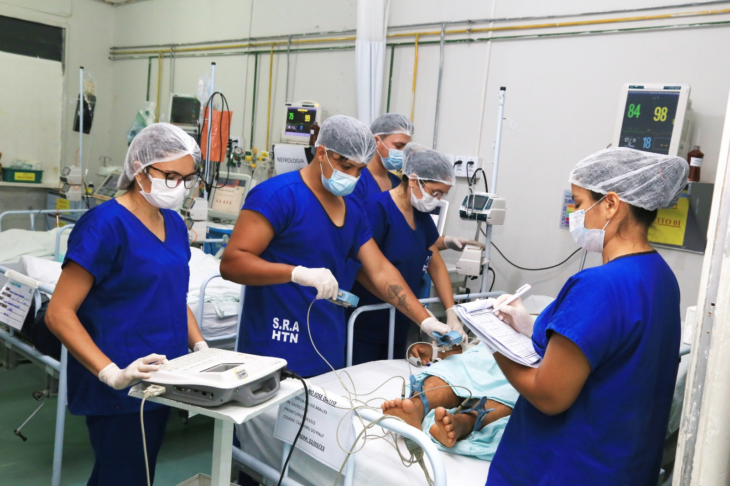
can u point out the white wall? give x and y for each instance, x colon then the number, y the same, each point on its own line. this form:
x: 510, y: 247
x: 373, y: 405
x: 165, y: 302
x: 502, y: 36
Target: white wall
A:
x: 561, y: 93
x: 89, y: 31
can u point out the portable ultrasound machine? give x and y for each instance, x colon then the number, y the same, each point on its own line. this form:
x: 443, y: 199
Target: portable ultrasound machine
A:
x: 214, y: 377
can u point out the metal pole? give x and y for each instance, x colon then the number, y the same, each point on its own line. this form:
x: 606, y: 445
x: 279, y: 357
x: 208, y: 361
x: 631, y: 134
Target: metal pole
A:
x: 495, y: 168
x: 81, y: 120
x: 438, y: 87
x: 391, y: 332
x: 211, y: 90
x: 288, y: 50
x: 60, y: 420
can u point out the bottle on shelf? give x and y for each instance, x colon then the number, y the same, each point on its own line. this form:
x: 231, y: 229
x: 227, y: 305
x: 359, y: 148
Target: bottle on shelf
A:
x: 695, y: 158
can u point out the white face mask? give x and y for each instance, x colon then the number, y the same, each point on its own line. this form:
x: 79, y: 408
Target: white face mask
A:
x: 161, y: 196
x: 588, y: 239
x: 427, y: 203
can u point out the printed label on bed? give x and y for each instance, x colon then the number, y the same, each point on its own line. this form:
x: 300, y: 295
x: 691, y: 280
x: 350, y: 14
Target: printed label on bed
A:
x: 328, y: 416
x: 15, y: 300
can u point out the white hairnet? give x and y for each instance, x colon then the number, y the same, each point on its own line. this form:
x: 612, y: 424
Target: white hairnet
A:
x: 160, y: 142
x: 649, y: 181
x: 348, y: 137
x: 391, y: 123
x: 424, y: 164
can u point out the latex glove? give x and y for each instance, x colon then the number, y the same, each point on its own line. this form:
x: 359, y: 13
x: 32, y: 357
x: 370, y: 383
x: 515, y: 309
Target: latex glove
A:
x: 132, y: 374
x: 452, y: 320
x: 458, y: 244
x: 432, y: 325
x: 319, y: 278
x: 514, y: 314
x: 200, y: 346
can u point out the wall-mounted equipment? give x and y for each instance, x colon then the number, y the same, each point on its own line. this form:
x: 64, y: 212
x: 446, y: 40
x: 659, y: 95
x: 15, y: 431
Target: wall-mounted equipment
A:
x: 483, y: 207
x: 227, y: 196
x: 184, y: 112
x: 654, y: 118
x: 298, y: 120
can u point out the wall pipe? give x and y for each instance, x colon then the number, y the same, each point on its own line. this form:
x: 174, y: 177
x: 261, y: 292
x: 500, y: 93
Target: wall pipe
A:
x: 271, y: 79
x: 469, y: 31
x: 390, y: 78
x: 438, y: 87
x: 159, y: 84
x: 253, y: 102
x: 288, y: 51
x: 428, y: 24
x: 415, y: 75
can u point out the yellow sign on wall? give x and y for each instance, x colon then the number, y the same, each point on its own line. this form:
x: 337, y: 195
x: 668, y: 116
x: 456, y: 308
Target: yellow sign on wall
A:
x: 671, y: 224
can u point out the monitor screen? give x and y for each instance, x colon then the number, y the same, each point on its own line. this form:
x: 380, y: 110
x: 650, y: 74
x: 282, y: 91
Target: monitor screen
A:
x: 185, y: 111
x: 475, y: 202
x: 648, y: 120
x: 299, y: 121
x: 229, y: 195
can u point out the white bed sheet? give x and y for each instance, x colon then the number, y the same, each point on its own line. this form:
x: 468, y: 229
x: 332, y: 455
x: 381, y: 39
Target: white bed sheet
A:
x: 15, y: 243
x: 378, y: 463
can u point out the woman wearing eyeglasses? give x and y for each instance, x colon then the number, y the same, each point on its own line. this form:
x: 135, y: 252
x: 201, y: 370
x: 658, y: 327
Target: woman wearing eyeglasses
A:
x: 120, y: 303
x: 402, y: 227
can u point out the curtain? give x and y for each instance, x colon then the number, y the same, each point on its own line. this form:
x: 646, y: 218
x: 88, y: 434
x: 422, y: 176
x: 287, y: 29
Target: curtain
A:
x: 372, y: 25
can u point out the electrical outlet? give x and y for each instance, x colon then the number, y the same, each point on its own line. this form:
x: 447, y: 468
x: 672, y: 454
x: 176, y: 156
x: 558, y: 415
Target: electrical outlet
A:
x: 467, y: 167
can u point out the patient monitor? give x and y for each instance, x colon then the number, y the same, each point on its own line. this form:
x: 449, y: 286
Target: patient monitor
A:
x: 227, y: 195
x: 214, y: 377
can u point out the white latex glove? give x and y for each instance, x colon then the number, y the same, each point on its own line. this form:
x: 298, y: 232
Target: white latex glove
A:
x: 132, y: 374
x: 200, y: 346
x: 431, y: 325
x: 514, y: 314
x: 458, y: 244
x: 319, y: 278
x: 452, y: 320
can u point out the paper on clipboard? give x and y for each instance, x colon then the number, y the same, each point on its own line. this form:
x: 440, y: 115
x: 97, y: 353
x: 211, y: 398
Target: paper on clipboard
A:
x: 479, y: 318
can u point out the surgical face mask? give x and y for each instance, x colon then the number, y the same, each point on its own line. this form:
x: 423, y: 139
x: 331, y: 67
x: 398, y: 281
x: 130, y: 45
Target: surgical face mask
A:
x: 394, y: 160
x: 588, y: 239
x: 427, y: 203
x: 340, y: 184
x: 161, y: 196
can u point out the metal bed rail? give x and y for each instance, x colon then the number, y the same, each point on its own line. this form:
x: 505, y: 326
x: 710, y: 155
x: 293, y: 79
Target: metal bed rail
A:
x: 34, y: 213
x: 52, y: 367
x: 391, y: 321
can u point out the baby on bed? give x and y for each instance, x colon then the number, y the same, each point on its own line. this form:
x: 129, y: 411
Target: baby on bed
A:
x: 440, y: 405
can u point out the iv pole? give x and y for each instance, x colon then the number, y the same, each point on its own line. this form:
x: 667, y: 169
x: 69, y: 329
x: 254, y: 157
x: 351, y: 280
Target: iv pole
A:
x: 497, y: 146
x: 81, y: 122
x: 211, y: 90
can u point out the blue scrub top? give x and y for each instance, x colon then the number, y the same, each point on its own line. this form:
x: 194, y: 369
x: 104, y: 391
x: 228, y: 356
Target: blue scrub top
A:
x: 274, y: 320
x: 367, y: 186
x: 138, y: 302
x: 625, y: 318
x: 407, y: 249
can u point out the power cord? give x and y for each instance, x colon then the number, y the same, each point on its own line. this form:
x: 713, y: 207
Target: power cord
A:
x: 150, y: 391
x: 290, y: 374
x: 531, y: 269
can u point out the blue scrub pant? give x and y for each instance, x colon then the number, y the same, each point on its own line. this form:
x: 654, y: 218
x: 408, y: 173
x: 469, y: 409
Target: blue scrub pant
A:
x: 117, y: 444
x: 366, y: 351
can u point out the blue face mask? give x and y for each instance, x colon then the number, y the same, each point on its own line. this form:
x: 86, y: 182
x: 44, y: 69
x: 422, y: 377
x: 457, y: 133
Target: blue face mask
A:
x: 340, y: 184
x: 394, y: 160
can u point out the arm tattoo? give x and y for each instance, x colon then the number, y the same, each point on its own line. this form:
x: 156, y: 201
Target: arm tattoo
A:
x: 395, y: 292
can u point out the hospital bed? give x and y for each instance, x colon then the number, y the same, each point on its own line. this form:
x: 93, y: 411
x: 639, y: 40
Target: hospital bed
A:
x: 378, y: 463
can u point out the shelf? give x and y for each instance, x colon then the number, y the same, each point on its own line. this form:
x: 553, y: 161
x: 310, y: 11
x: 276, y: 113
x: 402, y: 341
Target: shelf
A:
x: 30, y: 185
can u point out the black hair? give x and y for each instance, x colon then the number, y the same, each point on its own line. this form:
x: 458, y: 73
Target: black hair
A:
x: 643, y: 217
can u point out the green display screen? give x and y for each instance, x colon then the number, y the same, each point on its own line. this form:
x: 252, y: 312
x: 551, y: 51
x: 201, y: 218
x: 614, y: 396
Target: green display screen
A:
x: 648, y: 121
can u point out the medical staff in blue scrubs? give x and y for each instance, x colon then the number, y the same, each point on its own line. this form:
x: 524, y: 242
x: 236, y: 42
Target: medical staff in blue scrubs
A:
x: 596, y: 410
x: 404, y: 230
x: 392, y: 132
x: 298, y: 240
x: 120, y: 303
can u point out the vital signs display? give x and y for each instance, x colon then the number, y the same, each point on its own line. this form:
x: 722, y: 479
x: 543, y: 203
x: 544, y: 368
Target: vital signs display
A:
x: 652, y: 118
x: 299, y: 118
